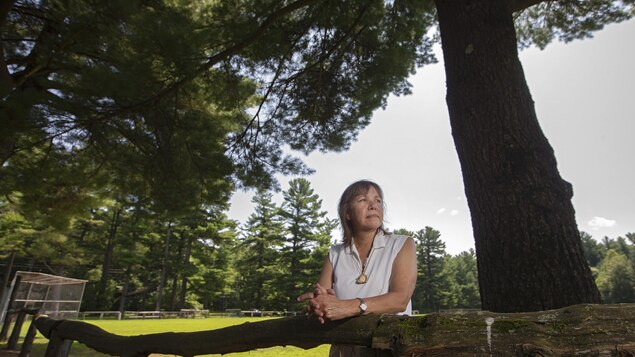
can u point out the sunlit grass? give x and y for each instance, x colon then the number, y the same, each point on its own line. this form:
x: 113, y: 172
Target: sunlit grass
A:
x: 149, y: 326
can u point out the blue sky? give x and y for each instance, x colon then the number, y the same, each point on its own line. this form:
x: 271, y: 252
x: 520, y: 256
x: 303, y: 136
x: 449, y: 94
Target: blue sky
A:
x: 584, y: 93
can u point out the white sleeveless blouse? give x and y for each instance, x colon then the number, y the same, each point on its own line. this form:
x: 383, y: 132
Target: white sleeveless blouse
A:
x: 347, y: 267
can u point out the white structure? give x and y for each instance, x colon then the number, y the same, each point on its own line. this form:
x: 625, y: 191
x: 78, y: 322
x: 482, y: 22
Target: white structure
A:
x: 56, y: 296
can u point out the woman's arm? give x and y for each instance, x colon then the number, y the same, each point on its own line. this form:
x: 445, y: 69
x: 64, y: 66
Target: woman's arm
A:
x: 402, y: 285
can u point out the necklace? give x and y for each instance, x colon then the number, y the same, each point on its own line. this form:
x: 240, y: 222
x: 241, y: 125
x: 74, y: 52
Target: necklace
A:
x: 363, y: 278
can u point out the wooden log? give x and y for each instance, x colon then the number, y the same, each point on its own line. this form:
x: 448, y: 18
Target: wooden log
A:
x: 581, y: 330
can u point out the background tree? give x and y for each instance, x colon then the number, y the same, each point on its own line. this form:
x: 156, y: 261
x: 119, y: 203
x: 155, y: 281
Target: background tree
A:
x: 463, y: 275
x: 308, y: 238
x: 207, y: 231
x: 172, y: 145
x: 593, y: 251
x: 616, y: 278
x: 213, y: 286
x: 257, y: 262
x: 432, y: 291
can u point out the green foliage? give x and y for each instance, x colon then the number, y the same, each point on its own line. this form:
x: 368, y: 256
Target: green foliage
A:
x: 443, y: 281
x: 593, y: 251
x: 95, y: 79
x: 178, y: 101
x: 308, y: 238
x: 463, y: 275
x: 212, y: 274
x: 568, y: 20
x: 614, y: 270
x: 15, y: 230
x: 433, y: 285
x: 257, y: 262
x: 616, y: 279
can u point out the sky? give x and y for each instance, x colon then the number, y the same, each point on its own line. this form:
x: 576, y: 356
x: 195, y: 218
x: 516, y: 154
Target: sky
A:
x: 584, y: 93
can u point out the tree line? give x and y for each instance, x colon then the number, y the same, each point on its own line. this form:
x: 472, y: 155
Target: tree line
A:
x: 137, y: 259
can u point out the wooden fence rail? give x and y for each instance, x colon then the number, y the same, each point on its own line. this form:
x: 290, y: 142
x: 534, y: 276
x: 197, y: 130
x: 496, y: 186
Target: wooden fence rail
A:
x: 581, y: 330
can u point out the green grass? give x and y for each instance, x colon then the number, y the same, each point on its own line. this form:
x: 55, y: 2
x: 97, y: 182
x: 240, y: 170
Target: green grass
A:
x: 144, y: 327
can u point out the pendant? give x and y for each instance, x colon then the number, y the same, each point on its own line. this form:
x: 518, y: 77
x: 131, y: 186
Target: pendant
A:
x: 361, y: 279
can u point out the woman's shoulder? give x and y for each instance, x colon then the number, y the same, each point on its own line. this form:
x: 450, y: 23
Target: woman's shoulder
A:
x: 395, y: 236
x: 337, y: 248
x: 396, y: 240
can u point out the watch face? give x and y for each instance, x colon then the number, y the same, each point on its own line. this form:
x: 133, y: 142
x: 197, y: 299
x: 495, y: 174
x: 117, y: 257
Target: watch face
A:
x: 363, y: 306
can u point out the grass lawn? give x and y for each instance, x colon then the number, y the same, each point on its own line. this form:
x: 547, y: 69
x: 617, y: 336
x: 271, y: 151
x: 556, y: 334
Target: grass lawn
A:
x: 144, y: 327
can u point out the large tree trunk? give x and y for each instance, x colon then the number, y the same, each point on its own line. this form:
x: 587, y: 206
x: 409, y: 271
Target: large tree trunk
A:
x: 527, y: 242
x: 582, y: 330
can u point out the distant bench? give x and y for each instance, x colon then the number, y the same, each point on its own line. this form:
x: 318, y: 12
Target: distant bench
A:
x: 192, y: 313
x: 143, y: 314
x: 258, y: 313
x: 183, y: 313
x: 101, y: 314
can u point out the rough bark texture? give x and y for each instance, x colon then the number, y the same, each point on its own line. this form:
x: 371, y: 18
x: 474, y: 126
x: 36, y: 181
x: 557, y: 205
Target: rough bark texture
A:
x: 529, y: 251
x: 581, y: 330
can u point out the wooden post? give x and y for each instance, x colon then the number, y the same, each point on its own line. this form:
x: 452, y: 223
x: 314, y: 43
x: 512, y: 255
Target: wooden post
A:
x: 8, y: 320
x: 17, y: 328
x: 25, y: 351
x: 8, y: 317
x: 58, y: 347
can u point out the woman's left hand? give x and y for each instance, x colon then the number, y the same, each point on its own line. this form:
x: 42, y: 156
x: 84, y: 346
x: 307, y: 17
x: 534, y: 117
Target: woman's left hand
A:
x: 313, y: 307
x: 331, y: 309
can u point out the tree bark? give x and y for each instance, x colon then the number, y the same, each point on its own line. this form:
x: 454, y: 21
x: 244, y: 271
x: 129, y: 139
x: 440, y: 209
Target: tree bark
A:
x: 186, y: 268
x: 527, y: 242
x: 124, y: 291
x: 105, y: 271
x: 581, y: 330
x: 164, y: 267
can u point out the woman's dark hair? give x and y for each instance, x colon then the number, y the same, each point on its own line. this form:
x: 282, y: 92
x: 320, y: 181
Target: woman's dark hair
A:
x: 353, y: 190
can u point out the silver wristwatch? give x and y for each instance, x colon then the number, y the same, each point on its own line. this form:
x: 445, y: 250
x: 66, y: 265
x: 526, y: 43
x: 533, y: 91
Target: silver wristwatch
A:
x: 362, y: 306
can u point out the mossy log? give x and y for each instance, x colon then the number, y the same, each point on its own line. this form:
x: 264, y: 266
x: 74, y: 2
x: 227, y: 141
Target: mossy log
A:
x: 581, y: 330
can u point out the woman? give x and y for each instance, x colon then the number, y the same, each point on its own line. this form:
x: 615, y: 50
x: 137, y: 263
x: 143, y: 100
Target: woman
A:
x: 372, y: 271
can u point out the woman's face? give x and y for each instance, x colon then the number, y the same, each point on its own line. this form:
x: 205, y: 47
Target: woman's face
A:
x: 366, y: 211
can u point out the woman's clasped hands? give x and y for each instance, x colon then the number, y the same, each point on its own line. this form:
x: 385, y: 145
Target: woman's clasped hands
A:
x: 323, y: 304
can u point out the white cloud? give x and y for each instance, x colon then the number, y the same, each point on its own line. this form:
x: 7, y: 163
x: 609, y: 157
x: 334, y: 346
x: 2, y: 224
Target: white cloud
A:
x: 454, y: 212
x: 441, y: 210
x: 599, y: 222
